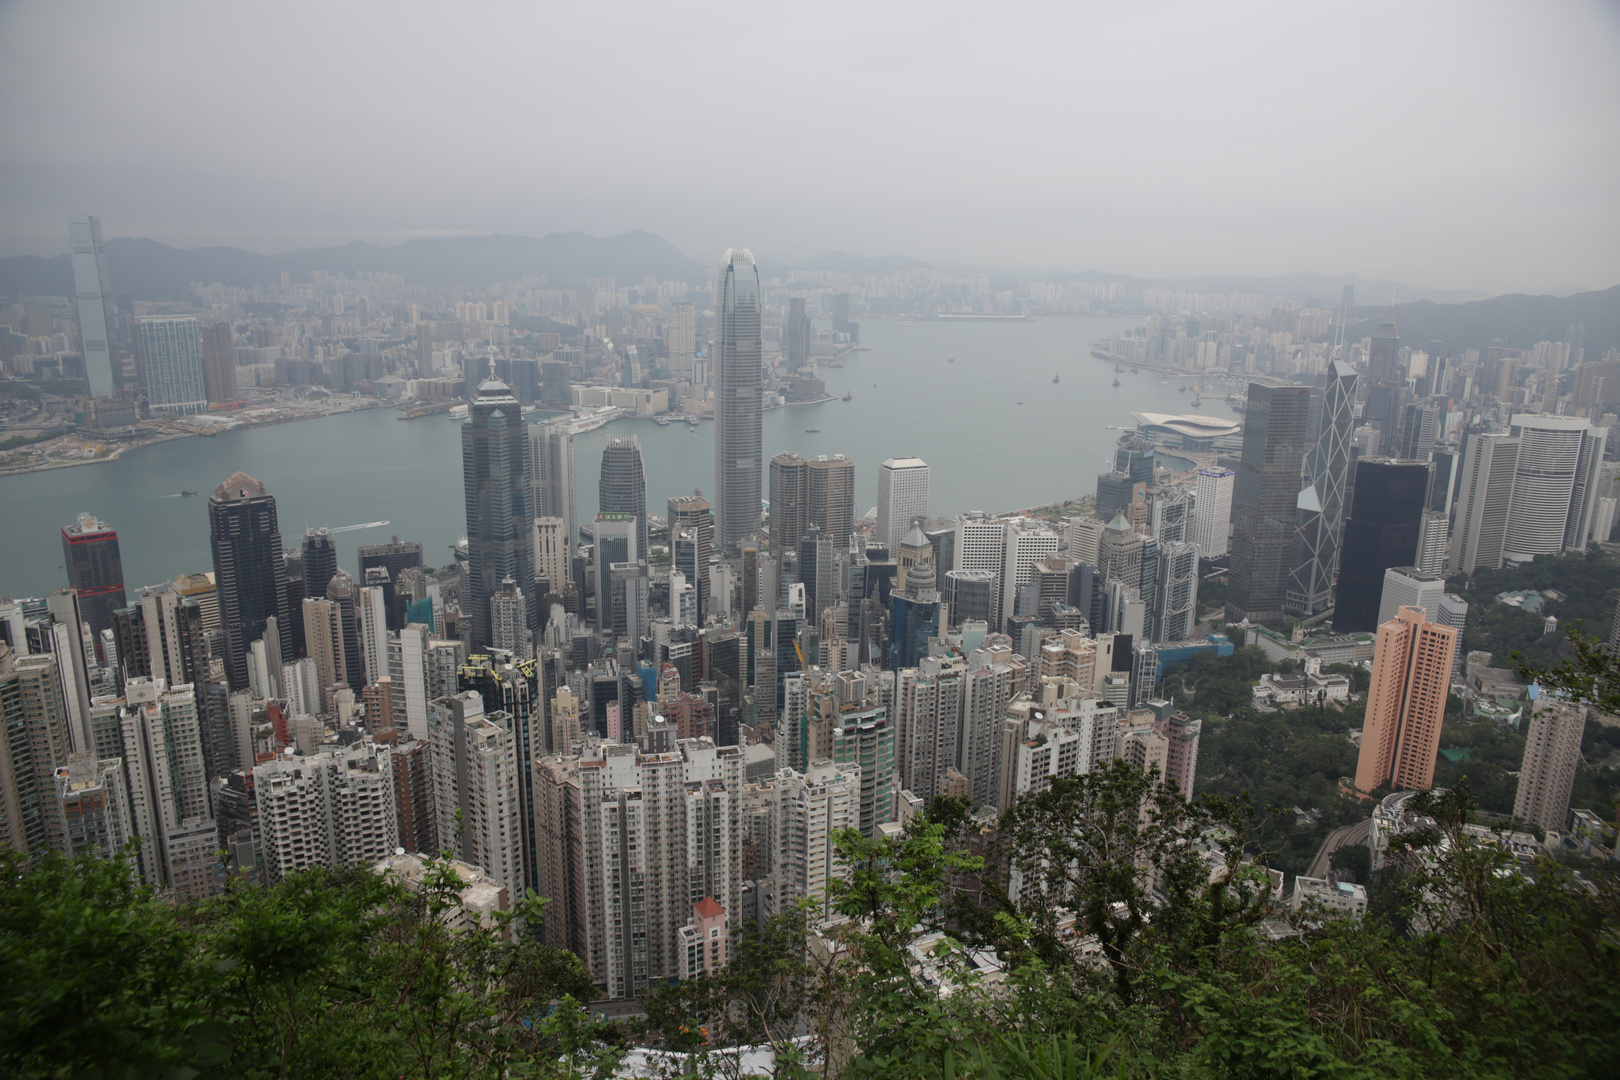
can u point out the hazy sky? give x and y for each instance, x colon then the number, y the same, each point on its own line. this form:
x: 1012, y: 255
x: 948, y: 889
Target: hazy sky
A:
x: 1471, y: 144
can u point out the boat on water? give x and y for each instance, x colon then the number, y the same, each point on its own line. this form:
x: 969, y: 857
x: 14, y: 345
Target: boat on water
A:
x: 186, y: 493
x: 1118, y: 370
x: 661, y: 421
x: 849, y: 397
x: 1020, y: 403
x: 693, y: 421
x: 812, y: 431
x: 951, y: 360
x: 907, y: 322
x: 1116, y: 380
x: 1182, y: 388
x: 1056, y: 379
x: 1195, y: 403
x: 1133, y: 371
x: 1113, y: 427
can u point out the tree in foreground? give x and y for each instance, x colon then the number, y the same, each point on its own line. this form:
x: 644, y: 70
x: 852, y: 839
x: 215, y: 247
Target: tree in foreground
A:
x: 327, y: 974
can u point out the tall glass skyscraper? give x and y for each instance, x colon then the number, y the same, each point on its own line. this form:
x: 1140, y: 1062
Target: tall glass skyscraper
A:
x: 249, y: 571
x: 93, y: 296
x: 1322, y: 500
x: 623, y: 485
x: 737, y: 366
x: 170, y: 351
x: 94, y: 568
x: 1265, y: 500
x: 320, y: 561
x: 1385, y: 523
x: 496, y: 474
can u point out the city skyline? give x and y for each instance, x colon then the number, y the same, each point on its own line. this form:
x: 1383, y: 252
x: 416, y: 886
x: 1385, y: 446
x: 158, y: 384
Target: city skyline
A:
x: 1475, y: 78
x: 749, y: 630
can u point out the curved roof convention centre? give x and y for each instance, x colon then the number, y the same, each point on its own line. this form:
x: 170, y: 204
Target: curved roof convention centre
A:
x: 1193, y: 427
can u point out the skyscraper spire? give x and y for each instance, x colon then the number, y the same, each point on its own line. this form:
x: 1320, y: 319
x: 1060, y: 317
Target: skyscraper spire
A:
x: 737, y: 365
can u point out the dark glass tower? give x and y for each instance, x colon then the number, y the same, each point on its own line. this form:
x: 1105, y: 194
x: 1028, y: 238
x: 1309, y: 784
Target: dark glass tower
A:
x: 320, y: 561
x: 789, y: 509
x: 623, y: 485
x: 1321, y: 501
x: 249, y: 570
x: 736, y: 362
x: 1265, y: 500
x: 1386, y: 520
x: 394, y: 556
x: 495, y: 468
x: 90, y: 553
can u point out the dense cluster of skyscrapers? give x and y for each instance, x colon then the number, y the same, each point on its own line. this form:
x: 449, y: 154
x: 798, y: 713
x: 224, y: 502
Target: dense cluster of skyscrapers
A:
x: 659, y: 722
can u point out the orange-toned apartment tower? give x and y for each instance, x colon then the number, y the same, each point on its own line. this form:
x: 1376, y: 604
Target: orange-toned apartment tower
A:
x: 1406, y: 702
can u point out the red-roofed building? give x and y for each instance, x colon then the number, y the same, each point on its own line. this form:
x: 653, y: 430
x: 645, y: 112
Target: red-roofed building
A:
x: 703, y: 940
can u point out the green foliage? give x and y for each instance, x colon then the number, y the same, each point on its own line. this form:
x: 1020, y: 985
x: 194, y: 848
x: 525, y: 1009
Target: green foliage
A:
x: 1209, y: 686
x: 98, y: 978
x: 1360, y: 678
x: 1589, y: 582
x: 1491, y: 768
x: 1125, y: 919
x: 1281, y: 759
x: 1353, y: 862
x: 1014, y: 1056
x: 328, y: 974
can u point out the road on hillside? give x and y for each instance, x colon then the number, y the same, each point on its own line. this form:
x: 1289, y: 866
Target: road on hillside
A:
x: 1338, y: 838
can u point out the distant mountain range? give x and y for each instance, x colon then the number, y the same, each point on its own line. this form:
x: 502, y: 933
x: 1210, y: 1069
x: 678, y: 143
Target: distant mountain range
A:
x: 148, y: 270
x: 1516, y: 320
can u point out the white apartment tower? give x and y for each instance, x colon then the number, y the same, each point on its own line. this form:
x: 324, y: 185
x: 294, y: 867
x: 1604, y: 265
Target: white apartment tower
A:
x: 371, y: 617
x: 928, y: 712
x: 807, y: 809
x: 509, y: 621
x: 1552, y: 749
x: 987, y: 688
x: 475, y: 771
x: 407, y: 676
x: 902, y: 498
x: 327, y: 809
x: 168, y: 786
x: 1212, y: 511
x: 631, y: 838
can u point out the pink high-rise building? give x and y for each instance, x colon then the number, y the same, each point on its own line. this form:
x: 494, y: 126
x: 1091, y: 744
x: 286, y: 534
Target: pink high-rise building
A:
x: 1181, y: 761
x: 1406, y: 702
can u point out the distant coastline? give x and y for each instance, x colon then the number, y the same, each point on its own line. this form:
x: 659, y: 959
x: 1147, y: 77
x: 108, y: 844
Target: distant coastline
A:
x: 362, y: 405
